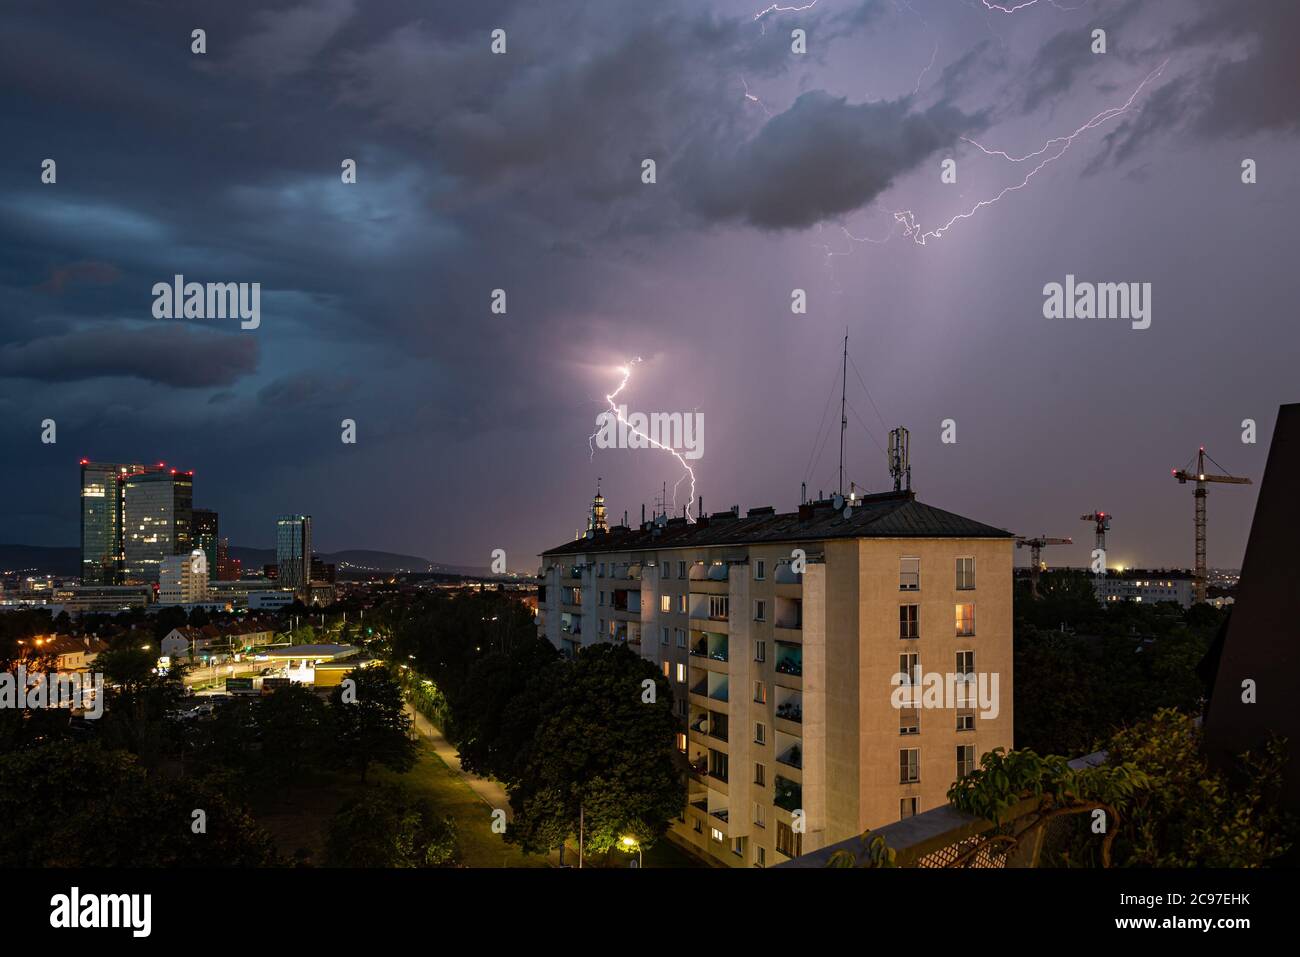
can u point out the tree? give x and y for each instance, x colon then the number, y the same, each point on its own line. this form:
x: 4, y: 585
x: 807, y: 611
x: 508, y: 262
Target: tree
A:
x: 168, y: 618
x: 372, y: 727
x: 494, y: 716
x: 1160, y: 802
x: 601, y: 750
x: 293, y: 722
x: 386, y: 827
x: 75, y: 804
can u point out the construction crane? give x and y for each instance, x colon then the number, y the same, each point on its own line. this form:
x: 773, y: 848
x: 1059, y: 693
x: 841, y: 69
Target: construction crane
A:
x: 1035, y: 546
x: 1101, y: 521
x: 1201, y: 477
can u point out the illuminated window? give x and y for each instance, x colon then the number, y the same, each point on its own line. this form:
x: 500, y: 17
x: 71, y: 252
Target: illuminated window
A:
x: 966, y: 619
x: 665, y: 603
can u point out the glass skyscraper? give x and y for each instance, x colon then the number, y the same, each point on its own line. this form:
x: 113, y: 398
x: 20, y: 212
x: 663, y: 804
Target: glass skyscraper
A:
x: 204, y: 535
x: 157, y: 510
x: 101, y: 520
x: 293, y: 551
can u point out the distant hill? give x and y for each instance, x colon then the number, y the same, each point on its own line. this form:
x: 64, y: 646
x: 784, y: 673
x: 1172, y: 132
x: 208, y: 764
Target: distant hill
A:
x: 64, y: 561
x: 40, y: 559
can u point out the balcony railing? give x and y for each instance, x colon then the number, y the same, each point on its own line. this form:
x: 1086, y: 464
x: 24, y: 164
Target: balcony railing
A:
x: 787, y: 794
x: 790, y: 711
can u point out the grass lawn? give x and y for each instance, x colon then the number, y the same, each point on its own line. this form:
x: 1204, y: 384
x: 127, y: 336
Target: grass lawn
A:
x: 479, y: 847
x: 298, y: 818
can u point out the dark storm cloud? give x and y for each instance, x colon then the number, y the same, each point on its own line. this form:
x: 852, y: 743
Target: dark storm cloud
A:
x: 172, y: 355
x: 1066, y: 57
x: 1255, y: 91
x: 522, y: 172
x: 87, y: 271
x: 286, y: 42
x: 1242, y: 80
x: 821, y: 158
x: 306, y: 388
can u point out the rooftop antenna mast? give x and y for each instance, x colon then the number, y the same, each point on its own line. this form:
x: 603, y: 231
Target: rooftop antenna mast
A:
x: 900, y: 465
x: 844, y: 420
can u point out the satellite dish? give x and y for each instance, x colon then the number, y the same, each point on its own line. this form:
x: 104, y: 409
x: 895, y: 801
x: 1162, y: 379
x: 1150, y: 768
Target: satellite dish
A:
x: 838, y: 501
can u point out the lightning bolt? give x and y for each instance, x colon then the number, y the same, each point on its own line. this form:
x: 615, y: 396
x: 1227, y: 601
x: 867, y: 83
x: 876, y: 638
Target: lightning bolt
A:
x: 777, y: 8
x: 752, y: 98
x: 591, y: 440
x: 1002, y: 8
x: 1055, y: 147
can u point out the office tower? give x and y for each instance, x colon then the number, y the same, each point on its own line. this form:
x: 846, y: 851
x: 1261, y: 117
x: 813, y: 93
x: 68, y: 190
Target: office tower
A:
x: 203, y: 534
x: 322, y: 571
x: 223, y: 560
x: 785, y: 638
x: 183, y: 579
x: 157, y: 515
x: 293, y: 551
x: 101, y: 520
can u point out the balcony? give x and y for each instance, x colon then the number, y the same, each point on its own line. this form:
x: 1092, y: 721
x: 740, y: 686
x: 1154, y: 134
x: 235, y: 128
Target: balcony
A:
x: 712, y: 572
x: 710, y: 607
x: 628, y: 600
x: 789, y: 705
x: 789, y: 750
x: 784, y: 574
x: 628, y: 632
x: 713, y: 805
x: 711, y: 685
x: 789, y: 659
x: 789, y: 613
x: 712, y: 645
x: 787, y: 794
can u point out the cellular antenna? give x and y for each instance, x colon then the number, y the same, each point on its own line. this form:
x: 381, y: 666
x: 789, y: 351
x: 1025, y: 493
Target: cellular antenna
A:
x: 844, y: 419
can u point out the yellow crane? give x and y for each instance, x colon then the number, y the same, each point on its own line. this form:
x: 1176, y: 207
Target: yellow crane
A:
x: 1201, y: 478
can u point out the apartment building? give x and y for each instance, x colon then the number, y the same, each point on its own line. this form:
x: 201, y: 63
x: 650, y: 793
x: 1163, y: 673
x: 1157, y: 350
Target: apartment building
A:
x: 791, y: 642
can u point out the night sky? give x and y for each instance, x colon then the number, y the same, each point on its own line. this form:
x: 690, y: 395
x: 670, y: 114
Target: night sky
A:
x: 523, y: 172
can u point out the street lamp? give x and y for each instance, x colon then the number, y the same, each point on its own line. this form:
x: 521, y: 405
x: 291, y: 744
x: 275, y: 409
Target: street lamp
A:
x: 630, y: 842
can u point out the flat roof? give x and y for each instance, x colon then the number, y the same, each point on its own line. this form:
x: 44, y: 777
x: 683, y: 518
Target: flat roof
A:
x: 883, y: 515
x: 311, y: 651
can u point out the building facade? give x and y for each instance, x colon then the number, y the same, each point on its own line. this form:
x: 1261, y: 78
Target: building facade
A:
x: 293, y: 551
x: 183, y: 579
x: 102, y: 487
x: 803, y: 650
x: 157, y: 508
x: 1144, y: 586
x: 204, y: 534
